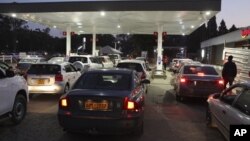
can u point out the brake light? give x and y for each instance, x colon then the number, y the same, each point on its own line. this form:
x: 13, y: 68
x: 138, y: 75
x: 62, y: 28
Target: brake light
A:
x: 58, y: 77
x: 64, y: 102
x: 200, y: 74
x: 221, y: 82
x: 183, y: 80
x: 129, y: 104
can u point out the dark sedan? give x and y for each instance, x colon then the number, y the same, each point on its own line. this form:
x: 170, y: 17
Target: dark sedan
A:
x: 104, y: 101
x: 197, y: 80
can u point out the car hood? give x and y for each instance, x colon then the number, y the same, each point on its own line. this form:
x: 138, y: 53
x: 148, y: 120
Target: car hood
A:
x: 91, y: 92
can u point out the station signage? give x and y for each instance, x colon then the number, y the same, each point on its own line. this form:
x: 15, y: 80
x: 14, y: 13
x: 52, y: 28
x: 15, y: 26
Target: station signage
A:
x: 245, y: 33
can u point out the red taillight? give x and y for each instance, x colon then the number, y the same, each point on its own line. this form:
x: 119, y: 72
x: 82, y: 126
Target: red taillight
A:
x: 64, y: 103
x: 183, y: 80
x: 58, y: 77
x: 221, y: 82
x: 129, y: 104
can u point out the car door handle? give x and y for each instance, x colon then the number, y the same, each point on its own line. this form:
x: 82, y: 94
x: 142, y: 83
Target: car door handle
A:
x: 224, y: 112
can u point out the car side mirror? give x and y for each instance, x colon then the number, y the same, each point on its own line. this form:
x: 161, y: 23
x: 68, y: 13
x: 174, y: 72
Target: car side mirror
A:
x: 145, y: 81
x: 10, y: 73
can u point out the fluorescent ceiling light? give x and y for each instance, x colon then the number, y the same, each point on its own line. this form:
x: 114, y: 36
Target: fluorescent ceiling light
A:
x: 54, y: 26
x: 13, y: 15
x: 208, y: 13
x: 118, y: 26
x: 103, y: 13
x: 192, y: 26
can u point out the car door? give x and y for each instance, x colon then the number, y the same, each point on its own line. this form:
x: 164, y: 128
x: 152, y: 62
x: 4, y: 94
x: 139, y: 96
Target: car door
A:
x: 69, y: 74
x: 222, y: 109
x: 76, y: 74
x: 5, y: 92
x: 240, y: 113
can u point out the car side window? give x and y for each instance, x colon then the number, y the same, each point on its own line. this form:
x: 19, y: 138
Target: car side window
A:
x: 230, y: 95
x: 68, y: 68
x: 243, y: 102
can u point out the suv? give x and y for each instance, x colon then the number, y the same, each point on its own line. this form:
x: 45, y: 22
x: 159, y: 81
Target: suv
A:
x: 13, y: 94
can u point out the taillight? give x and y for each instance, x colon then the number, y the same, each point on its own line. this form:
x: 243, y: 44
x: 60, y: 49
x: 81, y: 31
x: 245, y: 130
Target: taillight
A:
x: 64, y: 103
x: 129, y: 104
x: 221, y: 82
x: 58, y: 77
x: 183, y: 80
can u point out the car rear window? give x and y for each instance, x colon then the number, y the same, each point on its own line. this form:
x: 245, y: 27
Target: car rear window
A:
x: 44, y: 69
x: 82, y: 59
x: 206, y: 70
x: 134, y: 66
x: 113, y: 56
x: 103, y: 81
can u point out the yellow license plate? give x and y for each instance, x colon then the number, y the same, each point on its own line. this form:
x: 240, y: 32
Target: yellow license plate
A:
x: 96, y: 106
x: 40, y: 81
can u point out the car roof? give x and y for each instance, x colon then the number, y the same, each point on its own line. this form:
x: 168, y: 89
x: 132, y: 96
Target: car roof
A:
x: 114, y: 70
x: 81, y: 56
x: 131, y: 61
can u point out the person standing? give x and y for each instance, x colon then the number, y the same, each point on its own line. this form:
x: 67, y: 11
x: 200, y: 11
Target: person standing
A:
x: 229, y: 71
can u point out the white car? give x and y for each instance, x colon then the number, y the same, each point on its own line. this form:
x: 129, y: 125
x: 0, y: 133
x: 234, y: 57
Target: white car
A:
x: 106, y: 62
x: 13, y: 95
x: 137, y: 65
x: 115, y: 58
x: 51, y: 78
x: 231, y: 107
x: 85, y: 61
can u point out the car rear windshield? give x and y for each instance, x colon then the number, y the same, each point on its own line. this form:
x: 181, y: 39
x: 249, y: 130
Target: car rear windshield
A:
x: 206, y: 70
x: 103, y: 81
x: 44, y: 69
x: 134, y: 66
x: 82, y: 59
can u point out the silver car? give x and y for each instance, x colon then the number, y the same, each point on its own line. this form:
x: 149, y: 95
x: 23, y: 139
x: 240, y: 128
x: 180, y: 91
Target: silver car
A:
x: 231, y: 107
x: 51, y: 78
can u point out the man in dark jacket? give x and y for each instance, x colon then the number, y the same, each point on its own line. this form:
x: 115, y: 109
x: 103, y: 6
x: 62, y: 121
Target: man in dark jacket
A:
x: 229, y: 71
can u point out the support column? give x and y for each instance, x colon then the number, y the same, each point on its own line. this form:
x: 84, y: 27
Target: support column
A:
x: 159, y: 48
x: 68, y: 41
x: 94, y: 44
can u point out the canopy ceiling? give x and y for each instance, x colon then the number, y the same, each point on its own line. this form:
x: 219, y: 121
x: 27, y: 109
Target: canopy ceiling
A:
x: 120, y: 17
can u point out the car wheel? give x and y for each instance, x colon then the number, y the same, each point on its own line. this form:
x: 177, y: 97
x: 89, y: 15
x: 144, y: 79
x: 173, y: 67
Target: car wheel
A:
x: 19, y: 109
x: 66, y: 88
x: 209, y: 119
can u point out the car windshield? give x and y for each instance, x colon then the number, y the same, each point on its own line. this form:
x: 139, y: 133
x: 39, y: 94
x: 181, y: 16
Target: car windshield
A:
x: 103, y: 81
x: 134, y: 66
x: 206, y: 70
x: 44, y: 69
x: 82, y: 59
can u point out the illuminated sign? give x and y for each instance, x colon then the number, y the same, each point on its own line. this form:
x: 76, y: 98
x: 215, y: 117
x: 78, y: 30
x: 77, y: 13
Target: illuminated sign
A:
x: 245, y: 33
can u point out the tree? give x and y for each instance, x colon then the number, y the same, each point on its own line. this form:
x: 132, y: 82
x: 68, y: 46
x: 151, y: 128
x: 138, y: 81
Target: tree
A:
x: 233, y: 28
x: 222, y: 28
x: 212, y: 28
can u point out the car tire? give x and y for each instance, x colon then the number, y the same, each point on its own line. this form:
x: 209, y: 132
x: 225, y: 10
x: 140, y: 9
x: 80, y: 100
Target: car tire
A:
x: 19, y: 109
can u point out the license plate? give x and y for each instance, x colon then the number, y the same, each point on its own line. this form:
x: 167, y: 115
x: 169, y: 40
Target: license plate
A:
x: 40, y: 81
x: 96, y: 105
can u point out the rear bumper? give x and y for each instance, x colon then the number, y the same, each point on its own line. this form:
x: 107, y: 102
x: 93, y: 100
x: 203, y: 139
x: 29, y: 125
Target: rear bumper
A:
x: 52, y: 89
x: 104, y: 126
x: 198, y: 92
